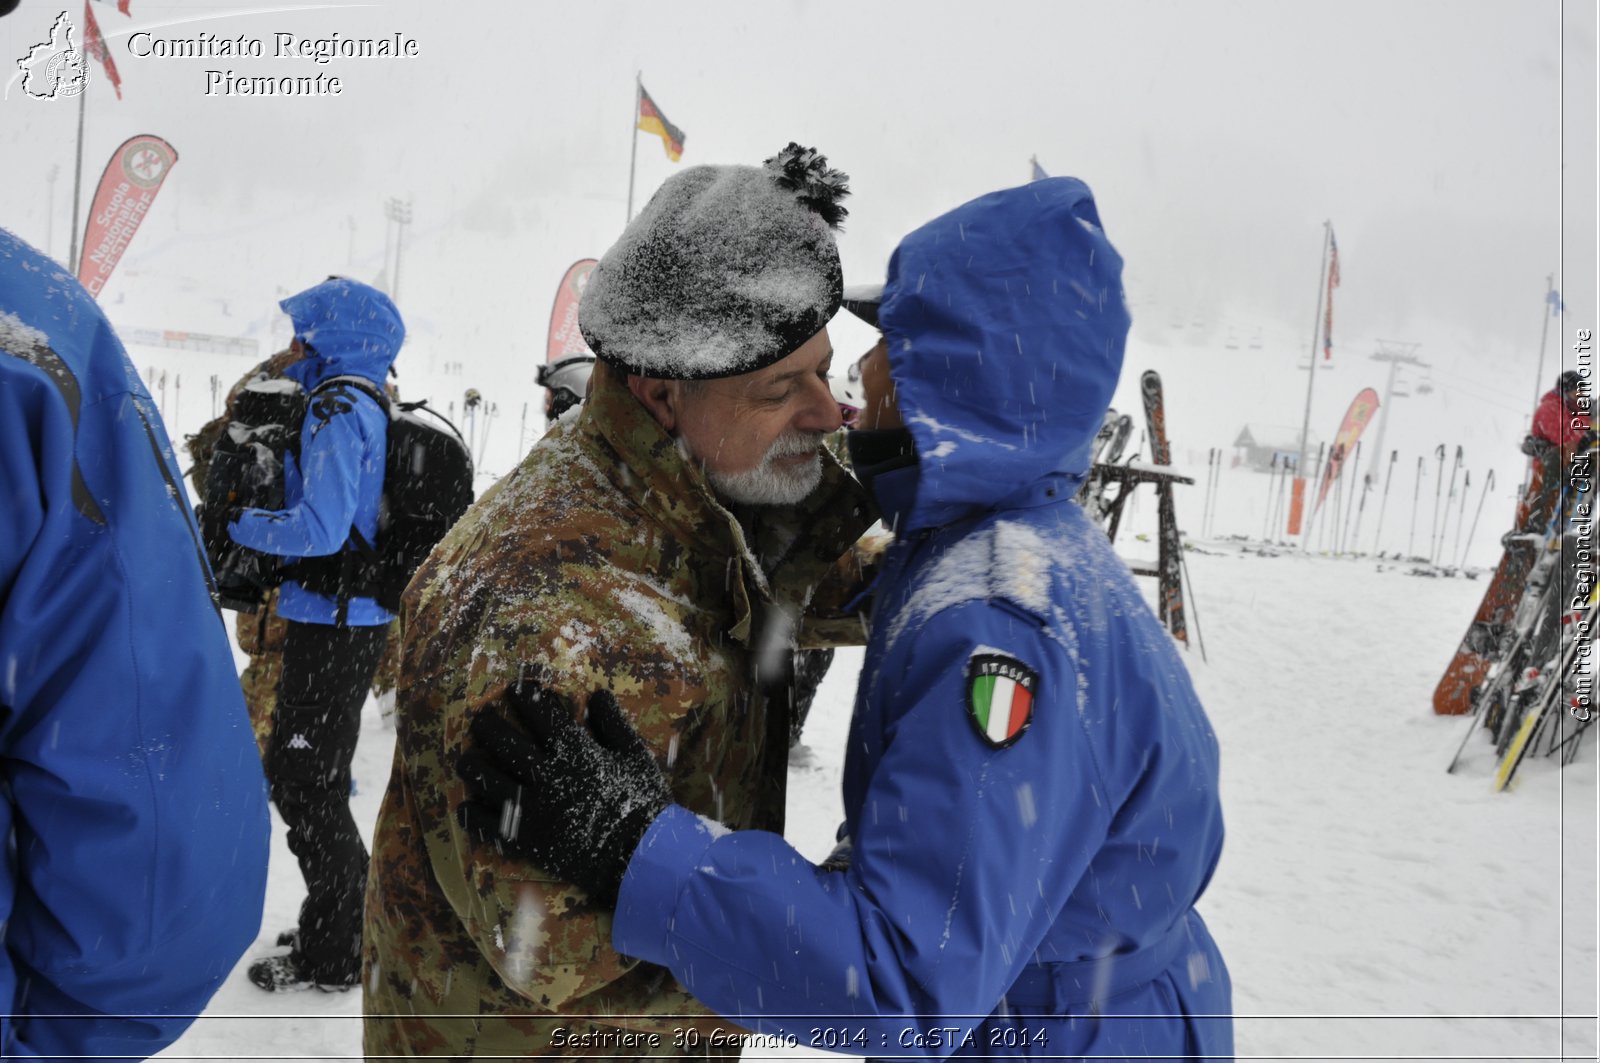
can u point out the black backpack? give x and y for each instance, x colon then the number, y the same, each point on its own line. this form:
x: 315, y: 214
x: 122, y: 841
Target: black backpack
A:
x: 245, y: 470
x: 427, y: 486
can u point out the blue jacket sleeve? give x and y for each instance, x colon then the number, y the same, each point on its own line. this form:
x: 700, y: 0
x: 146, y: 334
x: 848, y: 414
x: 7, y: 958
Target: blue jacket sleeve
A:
x: 335, y: 456
x: 963, y: 854
x: 132, y: 794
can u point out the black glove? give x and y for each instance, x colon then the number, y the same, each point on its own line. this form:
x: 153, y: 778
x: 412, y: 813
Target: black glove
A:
x: 572, y: 800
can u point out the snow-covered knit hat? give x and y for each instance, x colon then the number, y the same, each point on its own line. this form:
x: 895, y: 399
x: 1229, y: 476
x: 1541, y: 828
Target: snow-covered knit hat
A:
x: 726, y: 270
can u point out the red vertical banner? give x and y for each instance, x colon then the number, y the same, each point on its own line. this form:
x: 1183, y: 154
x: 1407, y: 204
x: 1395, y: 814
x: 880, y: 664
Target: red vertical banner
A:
x: 1356, y: 419
x: 565, y: 340
x: 129, y: 185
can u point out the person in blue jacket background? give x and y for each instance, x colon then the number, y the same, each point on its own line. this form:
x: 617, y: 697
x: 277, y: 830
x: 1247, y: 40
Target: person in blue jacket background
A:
x: 132, y: 806
x: 1031, y: 785
x: 334, y: 640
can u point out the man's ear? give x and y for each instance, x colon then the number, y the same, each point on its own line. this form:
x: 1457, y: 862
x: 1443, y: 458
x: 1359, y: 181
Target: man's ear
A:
x: 659, y: 397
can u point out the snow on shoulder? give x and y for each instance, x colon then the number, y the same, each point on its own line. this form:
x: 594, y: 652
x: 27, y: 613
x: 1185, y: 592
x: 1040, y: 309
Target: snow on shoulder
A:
x: 1019, y: 562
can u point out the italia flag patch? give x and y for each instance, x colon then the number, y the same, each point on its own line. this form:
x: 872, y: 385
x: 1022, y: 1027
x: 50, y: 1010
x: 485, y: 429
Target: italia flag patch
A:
x: 1000, y: 693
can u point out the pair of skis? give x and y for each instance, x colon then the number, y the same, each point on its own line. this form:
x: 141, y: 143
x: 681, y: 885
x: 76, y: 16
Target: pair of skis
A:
x: 1519, y: 736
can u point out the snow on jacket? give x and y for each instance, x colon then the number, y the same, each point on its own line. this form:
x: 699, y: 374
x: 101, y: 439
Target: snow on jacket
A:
x: 1559, y: 420
x: 604, y: 556
x: 132, y: 794
x: 350, y: 329
x: 1031, y: 783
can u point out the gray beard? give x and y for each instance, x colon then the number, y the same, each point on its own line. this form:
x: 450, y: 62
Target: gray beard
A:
x: 768, y: 484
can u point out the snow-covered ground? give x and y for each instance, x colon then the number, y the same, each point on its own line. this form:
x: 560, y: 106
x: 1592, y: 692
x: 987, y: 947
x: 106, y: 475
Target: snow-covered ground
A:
x: 1368, y: 904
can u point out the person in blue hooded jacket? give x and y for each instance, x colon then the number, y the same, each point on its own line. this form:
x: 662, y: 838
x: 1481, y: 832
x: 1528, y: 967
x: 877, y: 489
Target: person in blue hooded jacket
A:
x: 349, y: 334
x: 1031, y: 785
x: 132, y: 807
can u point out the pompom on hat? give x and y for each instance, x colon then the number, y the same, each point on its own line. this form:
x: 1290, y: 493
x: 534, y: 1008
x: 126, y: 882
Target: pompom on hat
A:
x: 728, y: 269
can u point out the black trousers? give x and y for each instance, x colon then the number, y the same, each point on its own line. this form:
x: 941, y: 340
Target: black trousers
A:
x: 326, y: 673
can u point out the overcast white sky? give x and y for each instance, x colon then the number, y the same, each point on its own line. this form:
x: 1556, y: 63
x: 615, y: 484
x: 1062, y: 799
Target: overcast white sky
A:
x: 1218, y: 135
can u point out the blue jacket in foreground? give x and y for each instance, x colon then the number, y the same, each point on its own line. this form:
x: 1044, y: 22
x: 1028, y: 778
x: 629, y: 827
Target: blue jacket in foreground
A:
x: 349, y: 329
x: 1056, y: 867
x: 132, y: 794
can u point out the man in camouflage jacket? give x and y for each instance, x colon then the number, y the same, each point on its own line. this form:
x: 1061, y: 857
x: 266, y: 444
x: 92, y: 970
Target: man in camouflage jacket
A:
x: 608, y: 559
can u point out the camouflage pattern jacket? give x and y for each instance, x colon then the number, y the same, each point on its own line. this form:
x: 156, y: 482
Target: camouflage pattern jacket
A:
x: 603, y: 560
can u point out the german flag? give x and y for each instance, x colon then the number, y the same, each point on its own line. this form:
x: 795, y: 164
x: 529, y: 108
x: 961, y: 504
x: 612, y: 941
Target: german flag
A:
x: 651, y: 120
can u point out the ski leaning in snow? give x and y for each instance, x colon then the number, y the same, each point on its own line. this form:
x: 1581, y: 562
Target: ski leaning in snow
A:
x: 1487, y: 635
x: 1169, y: 570
x: 1554, y: 686
x: 1497, y: 697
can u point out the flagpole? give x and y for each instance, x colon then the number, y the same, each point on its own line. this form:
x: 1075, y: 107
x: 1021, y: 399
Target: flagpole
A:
x: 1544, y: 335
x: 633, y: 155
x: 1311, y: 377
x: 77, y: 180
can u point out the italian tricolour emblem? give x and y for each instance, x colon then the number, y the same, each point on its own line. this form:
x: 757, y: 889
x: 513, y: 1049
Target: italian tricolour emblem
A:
x: 1000, y: 693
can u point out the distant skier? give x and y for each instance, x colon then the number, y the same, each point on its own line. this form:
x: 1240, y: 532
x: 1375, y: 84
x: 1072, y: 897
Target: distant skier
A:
x: 1562, y: 427
x: 1030, y: 784
x: 1565, y: 413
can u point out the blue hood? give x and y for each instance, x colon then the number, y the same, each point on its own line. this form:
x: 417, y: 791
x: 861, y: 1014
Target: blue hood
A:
x: 351, y: 328
x: 1006, y: 327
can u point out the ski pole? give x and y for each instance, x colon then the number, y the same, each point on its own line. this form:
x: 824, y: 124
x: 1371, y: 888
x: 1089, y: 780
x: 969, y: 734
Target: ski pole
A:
x: 1461, y: 517
x: 1325, y: 484
x: 1487, y: 484
x: 1349, y: 499
x: 1329, y: 470
x: 522, y: 431
x: 1330, y: 476
x: 1291, y: 468
x: 1217, y: 493
x: 1361, y: 511
x: 1438, y: 493
x: 1339, y: 500
x: 1216, y: 487
x: 488, y: 420
x: 1183, y: 563
x: 1349, y: 544
x: 1216, y: 476
x: 1454, y: 468
x: 1411, y: 540
x: 1384, y: 504
x: 1272, y: 481
x: 1316, y: 484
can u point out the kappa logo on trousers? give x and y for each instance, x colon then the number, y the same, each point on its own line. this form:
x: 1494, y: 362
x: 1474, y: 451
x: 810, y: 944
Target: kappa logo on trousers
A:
x: 298, y: 742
